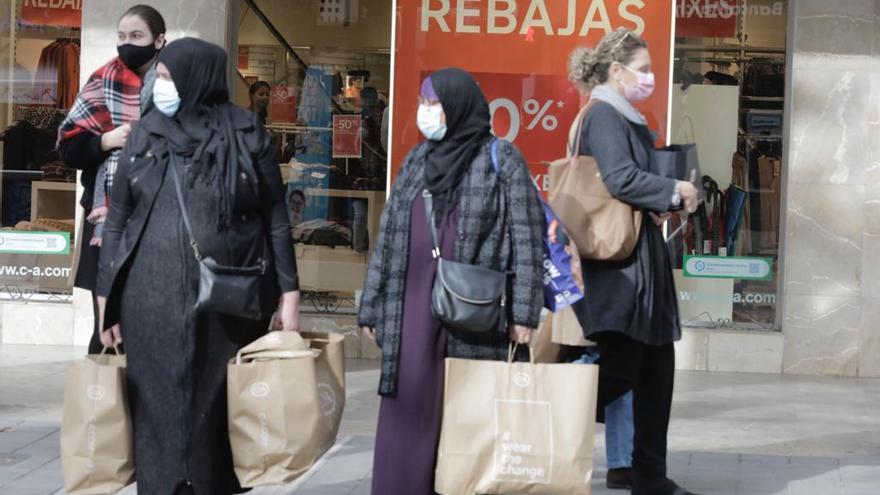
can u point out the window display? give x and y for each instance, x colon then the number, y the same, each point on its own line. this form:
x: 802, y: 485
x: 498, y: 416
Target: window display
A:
x: 728, y: 97
x: 325, y: 118
x: 39, y: 56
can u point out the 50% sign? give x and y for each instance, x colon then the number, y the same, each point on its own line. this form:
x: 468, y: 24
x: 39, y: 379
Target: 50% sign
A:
x: 533, y: 111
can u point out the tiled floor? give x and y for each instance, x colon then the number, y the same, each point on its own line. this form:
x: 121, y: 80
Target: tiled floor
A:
x: 730, y: 434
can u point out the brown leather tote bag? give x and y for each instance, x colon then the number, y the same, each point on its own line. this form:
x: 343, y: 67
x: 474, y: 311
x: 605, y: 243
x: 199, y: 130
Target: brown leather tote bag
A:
x: 603, y: 228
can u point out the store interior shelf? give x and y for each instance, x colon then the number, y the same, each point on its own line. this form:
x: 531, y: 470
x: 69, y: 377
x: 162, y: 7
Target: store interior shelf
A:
x: 763, y: 98
x: 54, y: 200
x: 730, y: 49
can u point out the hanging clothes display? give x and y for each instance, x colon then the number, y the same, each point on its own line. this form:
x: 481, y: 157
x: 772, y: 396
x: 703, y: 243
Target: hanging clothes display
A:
x: 57, y: 78
x: 770, y: 171
x: 742, y: 212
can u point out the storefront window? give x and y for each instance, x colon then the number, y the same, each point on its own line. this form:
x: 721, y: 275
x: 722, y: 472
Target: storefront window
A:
x: 39, y: 80
x: 518, y: 51
x: 728, y: 97
x: 327, y: 65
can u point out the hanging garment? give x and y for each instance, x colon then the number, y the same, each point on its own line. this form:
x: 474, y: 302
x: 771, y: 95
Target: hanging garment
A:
x: 57, y: 77
x: 770, y: 170
x: 741, y: 230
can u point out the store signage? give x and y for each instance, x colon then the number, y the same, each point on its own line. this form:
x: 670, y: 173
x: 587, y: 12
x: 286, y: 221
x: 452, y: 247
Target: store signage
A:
x: 282, y: 103
x: 34, y: 242
x: 347, y: 136
x: 744, y: 268
x: 60, y: 13
x: 706, y: 18
x: 518, y: 51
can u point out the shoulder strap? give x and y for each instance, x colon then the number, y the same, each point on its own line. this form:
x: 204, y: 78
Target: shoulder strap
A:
x: 183, y: 210
x: 577, y: 126
x: 494, y: 154
x: 432, y: 228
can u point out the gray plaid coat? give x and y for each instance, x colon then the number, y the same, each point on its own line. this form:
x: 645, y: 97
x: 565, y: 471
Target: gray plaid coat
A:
x: 500, y: 224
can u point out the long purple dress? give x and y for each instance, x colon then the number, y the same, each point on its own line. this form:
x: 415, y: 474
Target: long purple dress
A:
x: 409, y: 424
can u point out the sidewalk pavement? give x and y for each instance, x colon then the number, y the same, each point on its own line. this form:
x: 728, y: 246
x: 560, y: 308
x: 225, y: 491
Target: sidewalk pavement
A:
x: 731, y: 433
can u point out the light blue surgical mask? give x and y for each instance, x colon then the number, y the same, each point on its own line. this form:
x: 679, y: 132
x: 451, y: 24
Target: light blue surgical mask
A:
x: 430, y: 122
x: 165, y: 97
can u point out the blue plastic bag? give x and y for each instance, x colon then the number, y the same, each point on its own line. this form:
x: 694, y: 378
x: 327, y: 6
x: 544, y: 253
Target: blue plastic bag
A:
x: 563, y: 279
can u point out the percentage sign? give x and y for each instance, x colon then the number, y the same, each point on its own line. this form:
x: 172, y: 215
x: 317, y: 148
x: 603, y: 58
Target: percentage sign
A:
x: 533, y: 107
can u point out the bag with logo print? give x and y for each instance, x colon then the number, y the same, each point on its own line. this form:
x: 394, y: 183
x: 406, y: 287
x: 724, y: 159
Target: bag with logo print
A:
x: 516, y: 428
x: 97, y: 453
x: 286, y: 393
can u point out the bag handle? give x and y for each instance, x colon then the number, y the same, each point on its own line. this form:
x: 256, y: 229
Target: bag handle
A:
x: 192, y: 239
x: 578, y: 124
x: 115, y: 349
x: 275, y: 355
x: 511, y: 352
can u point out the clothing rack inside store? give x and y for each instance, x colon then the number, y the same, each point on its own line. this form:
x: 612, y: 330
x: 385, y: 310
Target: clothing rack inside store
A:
x: 759, y: 136
x: 730, y: 49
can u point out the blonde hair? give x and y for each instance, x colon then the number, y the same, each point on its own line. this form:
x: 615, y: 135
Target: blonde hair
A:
x: 589, y: 66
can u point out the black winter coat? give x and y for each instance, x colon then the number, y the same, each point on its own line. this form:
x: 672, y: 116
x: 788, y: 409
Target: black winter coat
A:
x: 177, y: 357
x: 259, y: 208
x: 635, y: 296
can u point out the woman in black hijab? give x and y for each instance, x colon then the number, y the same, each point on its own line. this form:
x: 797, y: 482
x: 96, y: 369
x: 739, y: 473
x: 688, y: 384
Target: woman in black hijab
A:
x: 486, y: 218
x: 149, y: 277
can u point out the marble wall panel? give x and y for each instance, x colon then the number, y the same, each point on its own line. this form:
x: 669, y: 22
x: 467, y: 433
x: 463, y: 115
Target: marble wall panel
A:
x: 832, y: 257
x: 824, y: 240
x: 822, y: 335
x: 869, y: 339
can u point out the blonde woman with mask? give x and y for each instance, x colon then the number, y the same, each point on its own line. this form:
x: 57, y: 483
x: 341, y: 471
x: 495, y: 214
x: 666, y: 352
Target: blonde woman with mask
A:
x: 631, y: 311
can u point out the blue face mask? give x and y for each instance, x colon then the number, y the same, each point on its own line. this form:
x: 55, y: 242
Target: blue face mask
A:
x: 165, y: 97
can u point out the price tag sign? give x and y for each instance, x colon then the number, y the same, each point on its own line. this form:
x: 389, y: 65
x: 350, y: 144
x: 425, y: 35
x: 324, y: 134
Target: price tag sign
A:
x: 347, y: 136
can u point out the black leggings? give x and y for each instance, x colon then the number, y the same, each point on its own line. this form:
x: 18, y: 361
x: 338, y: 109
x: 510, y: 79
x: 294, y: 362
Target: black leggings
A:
x: 649, y: 371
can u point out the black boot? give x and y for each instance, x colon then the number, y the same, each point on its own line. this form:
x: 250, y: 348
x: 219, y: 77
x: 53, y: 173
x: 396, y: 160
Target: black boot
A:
x: 619, y: 479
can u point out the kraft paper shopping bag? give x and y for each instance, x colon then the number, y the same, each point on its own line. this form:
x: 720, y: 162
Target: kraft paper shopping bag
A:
x: 517, y: 428
x: 567, y: 329
x: 286, y: 393
x: 543, y: 349
x: 96, y: 438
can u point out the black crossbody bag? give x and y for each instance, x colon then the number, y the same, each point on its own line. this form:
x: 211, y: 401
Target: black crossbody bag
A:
x: 465, y: 297
x: 227, y: 290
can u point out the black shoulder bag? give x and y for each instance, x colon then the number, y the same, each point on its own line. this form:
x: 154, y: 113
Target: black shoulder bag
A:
x: 227, y: 290
x: 465, y: 297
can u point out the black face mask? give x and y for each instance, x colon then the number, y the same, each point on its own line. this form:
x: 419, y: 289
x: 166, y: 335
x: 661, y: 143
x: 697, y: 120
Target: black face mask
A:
x: 134, y: 57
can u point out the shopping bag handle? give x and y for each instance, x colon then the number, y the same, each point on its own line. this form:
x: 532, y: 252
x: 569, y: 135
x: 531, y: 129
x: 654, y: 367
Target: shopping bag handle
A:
x: 511, y: 352
x: 246, y: 358
x: 115, y: 349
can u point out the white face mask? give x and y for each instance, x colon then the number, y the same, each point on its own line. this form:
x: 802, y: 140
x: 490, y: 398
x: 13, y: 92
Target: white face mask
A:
x: 165, y: 97
x: 430, y: 122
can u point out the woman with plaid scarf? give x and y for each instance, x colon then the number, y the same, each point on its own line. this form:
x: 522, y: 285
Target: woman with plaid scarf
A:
x: 96, y: 128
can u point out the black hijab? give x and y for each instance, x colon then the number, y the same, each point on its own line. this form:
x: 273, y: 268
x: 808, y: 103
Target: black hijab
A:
x: 468, y: 127
x: 203, y: 128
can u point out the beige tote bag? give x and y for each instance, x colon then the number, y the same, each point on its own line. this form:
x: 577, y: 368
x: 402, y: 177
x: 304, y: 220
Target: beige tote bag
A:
x: 517, y: 428
x: 97, y: 452
x: 567, y: 329
x: 286, y: 393
x: 603, y: 228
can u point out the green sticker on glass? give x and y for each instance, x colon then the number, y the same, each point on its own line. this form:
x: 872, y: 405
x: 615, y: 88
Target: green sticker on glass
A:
x: 21, y: 242
x: 736, y: 267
